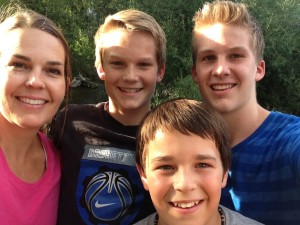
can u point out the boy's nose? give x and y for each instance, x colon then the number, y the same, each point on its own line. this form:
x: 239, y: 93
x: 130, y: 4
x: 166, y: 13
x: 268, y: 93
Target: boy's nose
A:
x: 221, y: 68
x: 130, y: 74
x: 184, y: 181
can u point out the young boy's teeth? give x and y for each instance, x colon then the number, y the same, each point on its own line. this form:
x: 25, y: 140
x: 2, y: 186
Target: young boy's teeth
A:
x: 186, y: 205
x: 32, y: 101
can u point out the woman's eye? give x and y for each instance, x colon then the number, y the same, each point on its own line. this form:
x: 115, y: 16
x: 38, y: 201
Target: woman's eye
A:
x: 18, y: 66
x: 54, y: 72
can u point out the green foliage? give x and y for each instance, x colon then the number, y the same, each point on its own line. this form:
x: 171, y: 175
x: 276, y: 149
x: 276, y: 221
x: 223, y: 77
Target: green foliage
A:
x: 180, y: 88
x: 280, y: 20
x: 280, y: 88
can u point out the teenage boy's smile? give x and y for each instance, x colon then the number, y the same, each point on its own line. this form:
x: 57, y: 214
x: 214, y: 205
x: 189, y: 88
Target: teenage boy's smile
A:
x: 130, y: 90
x: 222, y: 87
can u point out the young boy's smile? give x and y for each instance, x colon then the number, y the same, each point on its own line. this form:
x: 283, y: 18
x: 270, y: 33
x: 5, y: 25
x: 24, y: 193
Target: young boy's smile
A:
x: 226, y: 69
x: 184, y: 175
x: 130, y: 70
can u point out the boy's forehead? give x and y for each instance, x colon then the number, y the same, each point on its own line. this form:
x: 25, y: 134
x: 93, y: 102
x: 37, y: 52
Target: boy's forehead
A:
x: 118, y: 37
x: 113, y: 37
x: 224, y: 35
x: 218, y: 31
x: 161, y: 135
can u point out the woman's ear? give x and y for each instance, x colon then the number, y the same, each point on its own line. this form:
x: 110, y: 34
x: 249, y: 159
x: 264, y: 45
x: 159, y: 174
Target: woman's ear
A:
x: 101, y: 72
x: 143, y: 177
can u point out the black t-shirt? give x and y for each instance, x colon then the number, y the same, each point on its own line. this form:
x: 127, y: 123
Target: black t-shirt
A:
x: 100, y: 183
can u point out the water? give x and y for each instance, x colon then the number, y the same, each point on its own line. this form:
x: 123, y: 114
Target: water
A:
x: 85, y: 95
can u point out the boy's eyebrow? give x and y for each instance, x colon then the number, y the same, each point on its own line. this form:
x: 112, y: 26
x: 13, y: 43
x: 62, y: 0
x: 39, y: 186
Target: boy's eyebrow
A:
x: 238, y: 48
x: 25, y: 58
x: 162, y: 159
x: 170, y: 158
x: 120, y: 56
x: 205, y: 156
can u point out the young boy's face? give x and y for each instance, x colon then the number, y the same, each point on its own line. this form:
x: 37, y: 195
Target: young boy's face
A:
x: 226, y: 69
x: 130, y: 70
x: 184, y: 176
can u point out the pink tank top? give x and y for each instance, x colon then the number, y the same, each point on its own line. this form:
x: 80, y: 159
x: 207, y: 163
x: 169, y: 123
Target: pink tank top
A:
x: 36, y: 203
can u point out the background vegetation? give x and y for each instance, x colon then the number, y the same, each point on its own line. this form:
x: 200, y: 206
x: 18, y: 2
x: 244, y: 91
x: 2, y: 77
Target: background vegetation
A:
x: 280, y: 20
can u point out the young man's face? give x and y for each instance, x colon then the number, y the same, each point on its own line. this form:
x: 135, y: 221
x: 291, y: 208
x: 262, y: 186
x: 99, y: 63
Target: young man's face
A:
x: 184, y: 176
x: 226, y: 69
x: 130, y: 70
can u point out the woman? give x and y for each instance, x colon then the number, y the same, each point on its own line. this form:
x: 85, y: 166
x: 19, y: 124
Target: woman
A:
x: 34, y: 78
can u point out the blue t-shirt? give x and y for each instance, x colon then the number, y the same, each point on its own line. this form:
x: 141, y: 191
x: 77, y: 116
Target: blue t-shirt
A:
x: 264, y: 179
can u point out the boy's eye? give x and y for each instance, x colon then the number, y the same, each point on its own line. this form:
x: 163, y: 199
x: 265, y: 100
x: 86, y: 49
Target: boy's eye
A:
x: 117, y: 63
x: 235, y: 56
x: 143, y: 65
x: 202, y: 165
x: 165, y: 167
x: 208, y: 58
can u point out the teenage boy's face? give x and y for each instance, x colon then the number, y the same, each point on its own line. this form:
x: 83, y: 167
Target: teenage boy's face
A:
x: 32, y: 81
x: 226, y: 69
x: 184, y: 176
x: 130, y: 70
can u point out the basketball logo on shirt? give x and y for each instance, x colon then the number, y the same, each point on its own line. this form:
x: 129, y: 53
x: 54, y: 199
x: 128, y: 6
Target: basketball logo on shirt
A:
x: 108, y: 196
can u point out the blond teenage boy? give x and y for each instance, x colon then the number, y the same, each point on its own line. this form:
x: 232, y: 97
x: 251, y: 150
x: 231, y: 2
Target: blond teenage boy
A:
x: 100, y: 183
x: 183, y: 157
x: 264, y: 179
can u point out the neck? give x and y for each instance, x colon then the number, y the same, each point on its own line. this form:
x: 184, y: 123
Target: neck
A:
x: 127, y: 117
x: 243, y: 123
x: 16, y: 140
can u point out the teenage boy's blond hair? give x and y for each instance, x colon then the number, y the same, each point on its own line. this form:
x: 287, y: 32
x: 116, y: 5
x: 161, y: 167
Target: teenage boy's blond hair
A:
x: 228, y: 12
x: 131, y: 20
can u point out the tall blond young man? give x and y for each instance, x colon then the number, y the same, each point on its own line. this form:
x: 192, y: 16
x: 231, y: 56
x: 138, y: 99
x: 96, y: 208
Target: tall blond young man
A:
x: 100, y: 183
x: 264, y: 179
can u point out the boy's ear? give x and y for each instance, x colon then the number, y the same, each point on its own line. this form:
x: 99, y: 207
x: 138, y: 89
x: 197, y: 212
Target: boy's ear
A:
x: 260, y: 70
x: 143, y: 177
x: 161, y: 73
x: 194, y: 74
x: 101, y: 72
x: 224, y: 181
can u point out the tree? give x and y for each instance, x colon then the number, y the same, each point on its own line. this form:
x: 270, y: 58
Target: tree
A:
x: 79, y: 19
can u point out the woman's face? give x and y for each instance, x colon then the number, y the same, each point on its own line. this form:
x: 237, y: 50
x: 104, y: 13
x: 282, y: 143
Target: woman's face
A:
x: 32, y: 79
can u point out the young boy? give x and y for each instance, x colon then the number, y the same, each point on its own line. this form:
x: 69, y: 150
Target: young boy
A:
x: 183, y: 158
x: 264, y: 179
x: 100, y: 183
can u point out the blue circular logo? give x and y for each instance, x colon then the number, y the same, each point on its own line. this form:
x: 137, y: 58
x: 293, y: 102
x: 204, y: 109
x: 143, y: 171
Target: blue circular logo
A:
x: 108, y: 196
